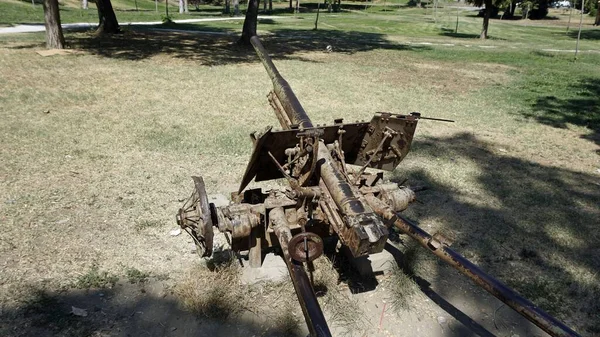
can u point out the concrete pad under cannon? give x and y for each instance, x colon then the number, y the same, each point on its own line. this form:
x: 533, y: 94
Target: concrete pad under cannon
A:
x: 218, y: 199
x: 372, y: 264
x: 272, y: 270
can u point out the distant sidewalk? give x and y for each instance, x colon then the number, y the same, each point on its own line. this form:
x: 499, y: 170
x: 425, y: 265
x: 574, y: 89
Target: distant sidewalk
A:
x: 30, y: 28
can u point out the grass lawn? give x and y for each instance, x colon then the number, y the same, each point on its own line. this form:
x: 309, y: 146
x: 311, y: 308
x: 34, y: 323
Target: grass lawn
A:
x: 98, y: 146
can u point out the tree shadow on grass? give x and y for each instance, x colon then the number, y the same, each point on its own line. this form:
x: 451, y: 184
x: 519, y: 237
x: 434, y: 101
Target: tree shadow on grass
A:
x: 129, y: 310
x: 582, y: 108
x: 450, y: 33
x: 531, y: 226
x: 217, y: 46
x: 586, y: 34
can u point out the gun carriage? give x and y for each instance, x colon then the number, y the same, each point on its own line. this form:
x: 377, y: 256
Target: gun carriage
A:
x: 327, y: 198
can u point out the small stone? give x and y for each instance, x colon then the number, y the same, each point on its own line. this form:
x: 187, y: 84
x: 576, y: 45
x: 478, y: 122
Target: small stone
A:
x: 441, y: 320
x: 175, y: 232
x: 62, y: 222
x: 79, y: 312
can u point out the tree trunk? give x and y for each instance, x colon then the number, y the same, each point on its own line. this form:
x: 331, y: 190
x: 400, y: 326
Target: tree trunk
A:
x: 597, y: 22
x: 250, y: 22
x: 317, y: 18
x: 107, y: 19
x: 54, y: 34
x: 265, y: 6
x: 227, y: 7
x: 270, y: 6
x: 185, y: 6
x: 486, y: 19
x: 291, y: 6
x: 236, y: 7
x: 297, y: 10
x: 84, y: 4
x: 181, y: 10
x: 511, y: 12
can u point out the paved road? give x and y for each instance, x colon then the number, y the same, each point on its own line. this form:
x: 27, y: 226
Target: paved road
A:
x: 29, y: 28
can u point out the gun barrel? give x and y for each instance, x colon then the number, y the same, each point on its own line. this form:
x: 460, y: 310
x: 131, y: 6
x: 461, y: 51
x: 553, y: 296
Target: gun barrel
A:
x: 293, y: 109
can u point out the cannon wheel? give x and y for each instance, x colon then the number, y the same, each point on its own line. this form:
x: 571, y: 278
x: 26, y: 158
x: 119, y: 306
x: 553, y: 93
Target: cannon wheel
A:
x: 195, y: 218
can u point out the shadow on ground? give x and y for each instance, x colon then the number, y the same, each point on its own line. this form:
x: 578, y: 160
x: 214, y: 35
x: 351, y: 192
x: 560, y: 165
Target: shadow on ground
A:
x: 218, y: 46
x: 450, y: 33
x: 534, y: 227
x: 587, y: 34
x: 581, y: 108
x: 126, y: 310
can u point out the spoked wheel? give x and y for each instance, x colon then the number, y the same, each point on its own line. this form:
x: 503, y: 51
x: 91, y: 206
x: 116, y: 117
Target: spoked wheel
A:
x: 195, y: 218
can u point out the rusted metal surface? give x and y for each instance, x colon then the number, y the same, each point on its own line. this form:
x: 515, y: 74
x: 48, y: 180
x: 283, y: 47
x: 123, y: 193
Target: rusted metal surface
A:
x: 327, y: 198
x: 195, y: 218
x: 288, y: 100
x: 523, y: 306
x: 386, y: 153
x: 315, y: 320
x: 305, y: 247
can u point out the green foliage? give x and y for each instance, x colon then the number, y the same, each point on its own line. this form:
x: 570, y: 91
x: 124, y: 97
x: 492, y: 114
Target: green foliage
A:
x: 592, y: 8
x: 167, y: 20
x: 95, y: 278
x: 135, y: 275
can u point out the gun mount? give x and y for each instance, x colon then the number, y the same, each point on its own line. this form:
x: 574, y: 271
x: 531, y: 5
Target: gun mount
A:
x: 327, y: 198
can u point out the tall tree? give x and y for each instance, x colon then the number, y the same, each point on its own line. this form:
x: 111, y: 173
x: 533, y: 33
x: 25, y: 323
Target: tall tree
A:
x: 107, y: 19
x: 54, y: 34
x: 236, y: 7
x: 250, y: 22
x: 539, y: 10
x: 490, y: 5
x: 486, y: 19
x: 509, y: 11
x: 597, y: 21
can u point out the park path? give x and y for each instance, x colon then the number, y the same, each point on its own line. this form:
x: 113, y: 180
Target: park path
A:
x: 31, y: 28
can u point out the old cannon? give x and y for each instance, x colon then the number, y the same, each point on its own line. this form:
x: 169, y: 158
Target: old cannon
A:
x: 327, y: 198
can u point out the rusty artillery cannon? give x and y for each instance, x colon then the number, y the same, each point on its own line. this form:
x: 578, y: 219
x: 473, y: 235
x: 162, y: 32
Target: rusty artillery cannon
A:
x: 327, y: 198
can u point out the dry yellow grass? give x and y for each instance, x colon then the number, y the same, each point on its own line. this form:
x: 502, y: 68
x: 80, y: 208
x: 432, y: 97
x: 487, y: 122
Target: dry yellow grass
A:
x: 97, y: 152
